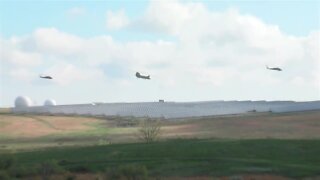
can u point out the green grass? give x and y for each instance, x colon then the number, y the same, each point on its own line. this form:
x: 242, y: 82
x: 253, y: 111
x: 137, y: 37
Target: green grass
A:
x: 293, y: 158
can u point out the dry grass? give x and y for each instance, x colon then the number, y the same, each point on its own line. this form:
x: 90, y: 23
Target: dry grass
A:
x: 37, y: 126
x: 83, y: 130
x: 5, y: 110
x: 304, y: 125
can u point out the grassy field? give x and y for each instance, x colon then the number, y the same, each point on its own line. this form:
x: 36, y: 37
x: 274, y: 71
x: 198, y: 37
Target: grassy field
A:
x: 20, y: 132
x: 261, y: 144
x: 291, y: 158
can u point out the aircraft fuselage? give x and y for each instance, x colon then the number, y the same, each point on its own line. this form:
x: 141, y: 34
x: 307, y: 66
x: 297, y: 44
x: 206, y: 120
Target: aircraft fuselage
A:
x: 275, y: 68
x: 138, y: 75
x: 46, y: 77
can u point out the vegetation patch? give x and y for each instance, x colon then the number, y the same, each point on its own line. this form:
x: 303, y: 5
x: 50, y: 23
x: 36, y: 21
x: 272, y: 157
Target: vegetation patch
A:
x: 180, y: 158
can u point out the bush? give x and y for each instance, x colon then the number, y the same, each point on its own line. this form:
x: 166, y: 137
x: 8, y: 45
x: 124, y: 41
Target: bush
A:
x: 20, y: 171
x: 4, y: 175
x: 69, y: 176
x: 80, y: 169
x: 46, y: 169
x: 6, y: 162
x: 128, y: 172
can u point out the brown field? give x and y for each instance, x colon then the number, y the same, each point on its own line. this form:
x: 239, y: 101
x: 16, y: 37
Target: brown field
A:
x: 298, y: 125
x: 30, y: 126
x: 29, y: 131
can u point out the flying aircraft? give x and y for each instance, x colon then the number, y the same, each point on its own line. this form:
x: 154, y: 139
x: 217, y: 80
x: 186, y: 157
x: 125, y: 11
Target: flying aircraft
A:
x: 45, y: 77
x: 274, y: 68
x: 138, y: 75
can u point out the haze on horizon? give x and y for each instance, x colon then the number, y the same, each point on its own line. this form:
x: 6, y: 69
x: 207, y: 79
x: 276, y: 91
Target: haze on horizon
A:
x: 193, y: 50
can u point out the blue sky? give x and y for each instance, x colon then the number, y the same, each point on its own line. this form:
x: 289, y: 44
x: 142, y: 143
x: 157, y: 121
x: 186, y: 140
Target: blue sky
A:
x: 99, y: 44
x: 22, y: 17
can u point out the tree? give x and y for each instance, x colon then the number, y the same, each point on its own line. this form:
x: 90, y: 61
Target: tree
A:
x: 149, y: 130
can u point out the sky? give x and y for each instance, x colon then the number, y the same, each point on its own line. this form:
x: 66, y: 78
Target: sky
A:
x: 193, y: 50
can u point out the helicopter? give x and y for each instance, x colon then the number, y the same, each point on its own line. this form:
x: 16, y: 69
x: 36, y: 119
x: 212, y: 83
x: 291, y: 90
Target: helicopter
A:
x: 138, y: 75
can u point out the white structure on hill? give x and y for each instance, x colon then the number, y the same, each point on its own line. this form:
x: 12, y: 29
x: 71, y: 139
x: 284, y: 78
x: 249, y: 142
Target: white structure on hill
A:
x: 22, y: 102
x: 171, y: 109
x: 50, y: 102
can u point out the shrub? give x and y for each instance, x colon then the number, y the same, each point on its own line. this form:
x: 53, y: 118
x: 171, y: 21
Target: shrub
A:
x: 80, y: 169
x: 149, y: 130
x: 6, y: 162
x: 4, y: 175
x: 21, y: 171
x: 127, y: 172
x: 46, y: 169
x: 69, y: 176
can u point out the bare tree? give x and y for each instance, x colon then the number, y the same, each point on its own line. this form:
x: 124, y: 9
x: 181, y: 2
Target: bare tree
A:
x: 149, y: 130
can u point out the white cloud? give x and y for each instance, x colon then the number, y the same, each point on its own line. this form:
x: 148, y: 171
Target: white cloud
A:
x: 213, y: 76
x: 65, y: 73
x: 12, y: 53
x: 22, y: 74
x: 76, y: 11
x: 211, y: 55
x: 317, y: 80
x: 116, y: 19
x: 53, y: 41
x: 20, y: 58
